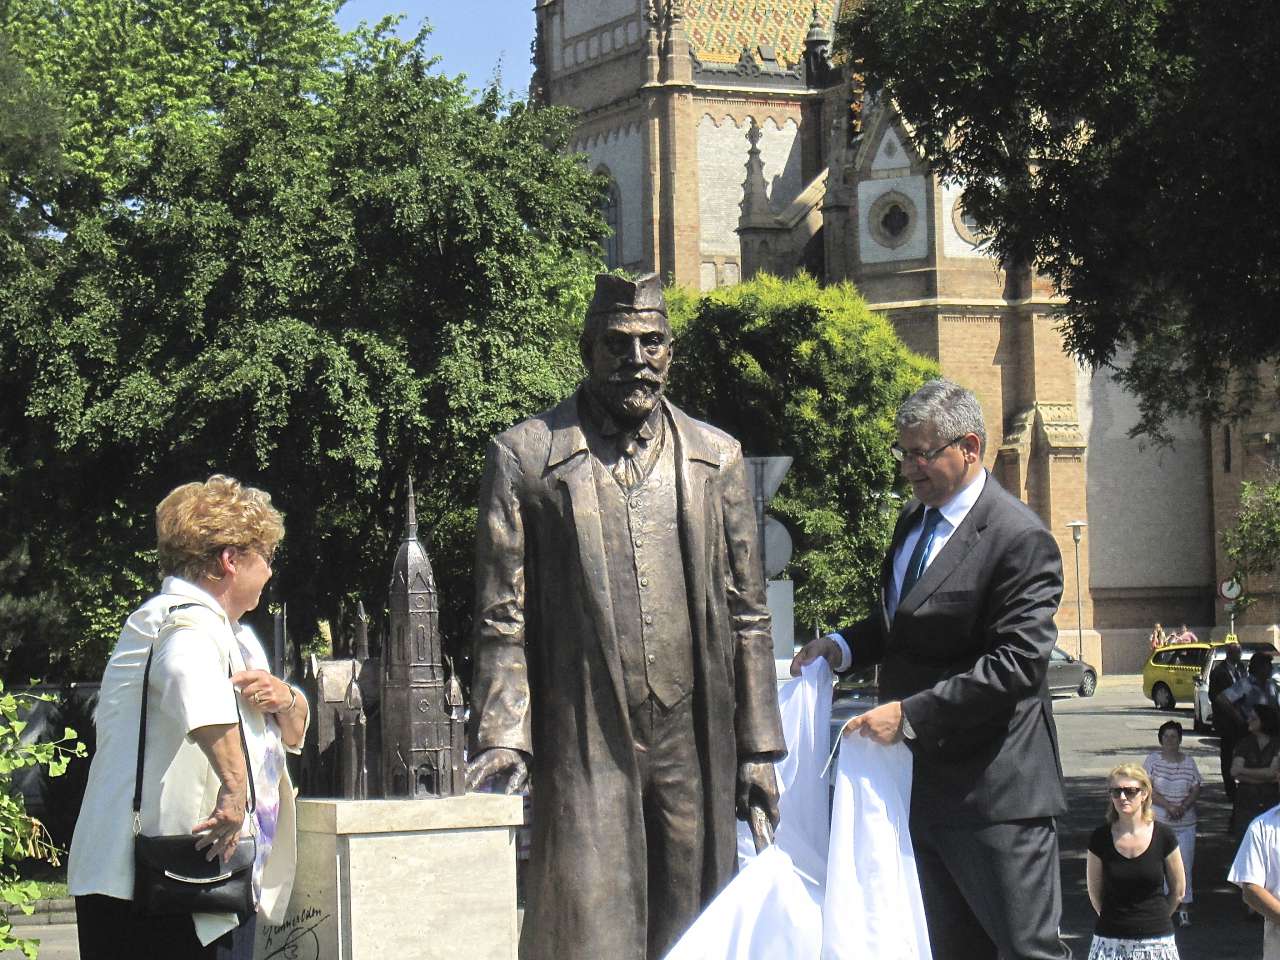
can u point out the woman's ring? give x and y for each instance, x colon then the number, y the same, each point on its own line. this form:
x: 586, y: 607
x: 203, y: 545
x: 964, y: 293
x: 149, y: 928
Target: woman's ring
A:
x: 257, y: 697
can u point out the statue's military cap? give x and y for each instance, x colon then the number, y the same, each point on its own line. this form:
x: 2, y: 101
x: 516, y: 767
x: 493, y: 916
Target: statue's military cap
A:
x: 620, y: 295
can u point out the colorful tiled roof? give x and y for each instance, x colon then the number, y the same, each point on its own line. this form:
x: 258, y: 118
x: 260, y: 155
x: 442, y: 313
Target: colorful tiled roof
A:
x: 719, y: 29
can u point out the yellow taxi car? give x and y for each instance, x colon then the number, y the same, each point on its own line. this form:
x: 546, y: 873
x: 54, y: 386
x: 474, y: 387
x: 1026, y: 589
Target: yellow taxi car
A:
x: 1170, y: 673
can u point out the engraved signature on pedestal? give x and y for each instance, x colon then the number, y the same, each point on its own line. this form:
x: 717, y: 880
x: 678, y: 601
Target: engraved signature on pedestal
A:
x: 296, y: 938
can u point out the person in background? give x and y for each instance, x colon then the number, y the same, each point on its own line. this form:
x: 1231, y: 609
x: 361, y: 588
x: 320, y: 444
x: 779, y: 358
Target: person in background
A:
x: 1134, y: 874
x: 209, y: 674
x: 1256, y: 871
x: 1184, y: 635
x: 1223, y: 677
x: 1256, y: 768
x: 1158, y: 638
x: 1175, y: 788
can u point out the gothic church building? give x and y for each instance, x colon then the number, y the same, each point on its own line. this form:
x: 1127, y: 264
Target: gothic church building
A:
x: 734, y: 145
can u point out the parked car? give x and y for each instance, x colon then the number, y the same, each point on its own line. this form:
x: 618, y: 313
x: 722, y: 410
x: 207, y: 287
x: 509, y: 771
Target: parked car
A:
x: 1170, y: 673
x: 1202, y: 712
x: 1069, y: 675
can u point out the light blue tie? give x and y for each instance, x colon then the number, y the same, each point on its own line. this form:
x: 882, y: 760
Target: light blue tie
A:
x: 919, y: 556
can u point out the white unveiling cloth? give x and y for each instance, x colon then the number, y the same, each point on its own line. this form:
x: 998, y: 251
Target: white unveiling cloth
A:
x: 873, y: 906
x: 850, y: 891
x: 803, y: 792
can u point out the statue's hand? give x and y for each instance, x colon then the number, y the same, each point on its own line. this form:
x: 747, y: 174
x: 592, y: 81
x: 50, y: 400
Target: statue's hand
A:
x: 757, y: 799
x: 506, y: 769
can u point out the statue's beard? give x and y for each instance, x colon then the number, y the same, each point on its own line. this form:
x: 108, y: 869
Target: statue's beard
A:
x: 630, y: 397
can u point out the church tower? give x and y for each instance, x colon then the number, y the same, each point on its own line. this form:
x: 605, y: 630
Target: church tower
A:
x: 421, y: 724
x: 667, y: 92
x: 918, y: 258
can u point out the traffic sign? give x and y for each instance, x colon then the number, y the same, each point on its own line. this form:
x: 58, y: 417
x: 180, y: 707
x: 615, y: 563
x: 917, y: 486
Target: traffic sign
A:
x: 1230, y: 589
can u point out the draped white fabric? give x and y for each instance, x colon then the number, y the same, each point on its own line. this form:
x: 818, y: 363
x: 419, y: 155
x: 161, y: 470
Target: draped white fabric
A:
x: 873, y: 906
x: 804, y: 794
x: 770, y: 909
x: 819, y: 893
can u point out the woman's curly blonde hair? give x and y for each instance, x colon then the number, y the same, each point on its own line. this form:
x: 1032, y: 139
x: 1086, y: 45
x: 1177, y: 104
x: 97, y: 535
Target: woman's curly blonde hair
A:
x: 196, y: 521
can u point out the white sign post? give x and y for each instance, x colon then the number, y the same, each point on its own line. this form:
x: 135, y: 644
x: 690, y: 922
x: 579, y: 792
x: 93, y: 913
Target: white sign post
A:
x: 765, y: 474
x: 1230, y: 590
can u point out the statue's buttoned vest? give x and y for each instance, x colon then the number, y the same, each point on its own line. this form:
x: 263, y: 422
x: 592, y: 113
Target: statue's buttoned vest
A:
x: 646, y: 579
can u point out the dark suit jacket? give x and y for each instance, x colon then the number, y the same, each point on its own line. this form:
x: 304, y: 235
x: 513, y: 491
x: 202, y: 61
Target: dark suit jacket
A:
x: 1221, y: 679
x: 967, y: 654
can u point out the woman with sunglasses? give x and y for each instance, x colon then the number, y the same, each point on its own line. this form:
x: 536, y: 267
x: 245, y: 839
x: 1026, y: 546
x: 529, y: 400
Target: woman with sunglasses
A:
x: 1134, y: 874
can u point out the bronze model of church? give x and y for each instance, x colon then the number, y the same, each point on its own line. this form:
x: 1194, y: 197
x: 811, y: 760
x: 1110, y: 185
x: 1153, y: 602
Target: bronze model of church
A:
x: 389, y: 726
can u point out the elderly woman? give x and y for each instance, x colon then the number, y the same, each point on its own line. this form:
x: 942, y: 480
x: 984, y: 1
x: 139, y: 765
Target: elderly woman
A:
x: 1134, y: 874
x: 209, y: 676
x: 1175, y: 788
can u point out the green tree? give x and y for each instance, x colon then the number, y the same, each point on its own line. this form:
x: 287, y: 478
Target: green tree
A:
x: 318, y: 287
x: 1252, y: 543
x: 1121, y: 146
x: 794, y: 369
x: 30, y: 146
x: 131, y: 71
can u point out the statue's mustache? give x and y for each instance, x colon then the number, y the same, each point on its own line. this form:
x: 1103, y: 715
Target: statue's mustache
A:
x: 628, y: 379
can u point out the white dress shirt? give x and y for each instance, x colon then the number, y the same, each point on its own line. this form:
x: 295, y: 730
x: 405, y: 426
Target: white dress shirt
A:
x: 1258, y: 862
x: 953, y: 513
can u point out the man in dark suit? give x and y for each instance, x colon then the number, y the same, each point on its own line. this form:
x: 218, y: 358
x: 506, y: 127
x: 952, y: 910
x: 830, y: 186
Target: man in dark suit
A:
x: 963, y: 632
x: 1221, y: 678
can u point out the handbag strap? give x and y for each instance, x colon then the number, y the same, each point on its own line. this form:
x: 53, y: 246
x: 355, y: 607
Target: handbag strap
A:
x: 142, y: 738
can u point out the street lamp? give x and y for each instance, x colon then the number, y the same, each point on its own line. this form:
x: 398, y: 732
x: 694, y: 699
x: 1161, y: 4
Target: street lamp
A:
x: 1077, y: 531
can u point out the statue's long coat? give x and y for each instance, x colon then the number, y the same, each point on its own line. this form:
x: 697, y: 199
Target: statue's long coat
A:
x: 548, y: 675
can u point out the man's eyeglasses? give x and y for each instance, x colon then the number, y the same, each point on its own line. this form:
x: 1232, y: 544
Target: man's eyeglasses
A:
x: 927, y: 456
x: 1129, y: 793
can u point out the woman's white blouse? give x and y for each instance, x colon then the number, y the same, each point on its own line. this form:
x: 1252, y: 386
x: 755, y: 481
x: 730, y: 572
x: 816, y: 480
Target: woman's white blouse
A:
x: 190, y: 688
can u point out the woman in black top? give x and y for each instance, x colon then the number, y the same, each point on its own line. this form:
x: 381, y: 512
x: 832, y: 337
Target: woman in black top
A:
x: 1134, y: 873
x: 1255, y: 766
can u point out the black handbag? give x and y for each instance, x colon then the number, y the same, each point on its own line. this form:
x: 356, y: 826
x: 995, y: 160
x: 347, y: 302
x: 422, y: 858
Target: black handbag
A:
x: 172, y: 877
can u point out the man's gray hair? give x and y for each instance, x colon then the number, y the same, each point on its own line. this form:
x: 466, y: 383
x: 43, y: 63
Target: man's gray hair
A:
x: 946, y: 406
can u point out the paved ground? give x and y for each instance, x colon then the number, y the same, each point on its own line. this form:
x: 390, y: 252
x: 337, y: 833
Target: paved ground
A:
x: 1112, y: 727
x: 57, y: 942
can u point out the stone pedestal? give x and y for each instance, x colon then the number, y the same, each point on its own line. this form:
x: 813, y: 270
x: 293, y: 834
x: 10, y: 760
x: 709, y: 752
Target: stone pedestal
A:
x: 409, y: 879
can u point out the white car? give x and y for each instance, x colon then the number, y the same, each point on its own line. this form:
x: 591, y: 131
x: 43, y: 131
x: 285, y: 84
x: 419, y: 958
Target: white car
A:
x: 1202, y: 709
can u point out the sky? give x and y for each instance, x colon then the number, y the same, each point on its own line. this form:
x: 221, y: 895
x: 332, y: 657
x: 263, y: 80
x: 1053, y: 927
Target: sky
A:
x: 471, y: 36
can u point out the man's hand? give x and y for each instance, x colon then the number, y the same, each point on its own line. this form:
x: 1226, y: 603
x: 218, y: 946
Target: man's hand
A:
x: 811, y: 651
x: 883, y: 724
x: 221, y: 832
x: 498, y: 764
x: 757, y: 799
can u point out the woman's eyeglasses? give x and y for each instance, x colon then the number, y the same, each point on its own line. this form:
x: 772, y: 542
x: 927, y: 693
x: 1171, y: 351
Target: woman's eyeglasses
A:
x: 268, y: 555
x: 1129, y: 793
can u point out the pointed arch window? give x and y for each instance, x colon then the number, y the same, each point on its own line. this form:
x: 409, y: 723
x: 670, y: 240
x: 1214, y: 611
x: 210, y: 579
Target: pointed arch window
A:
x: 611, y: 210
